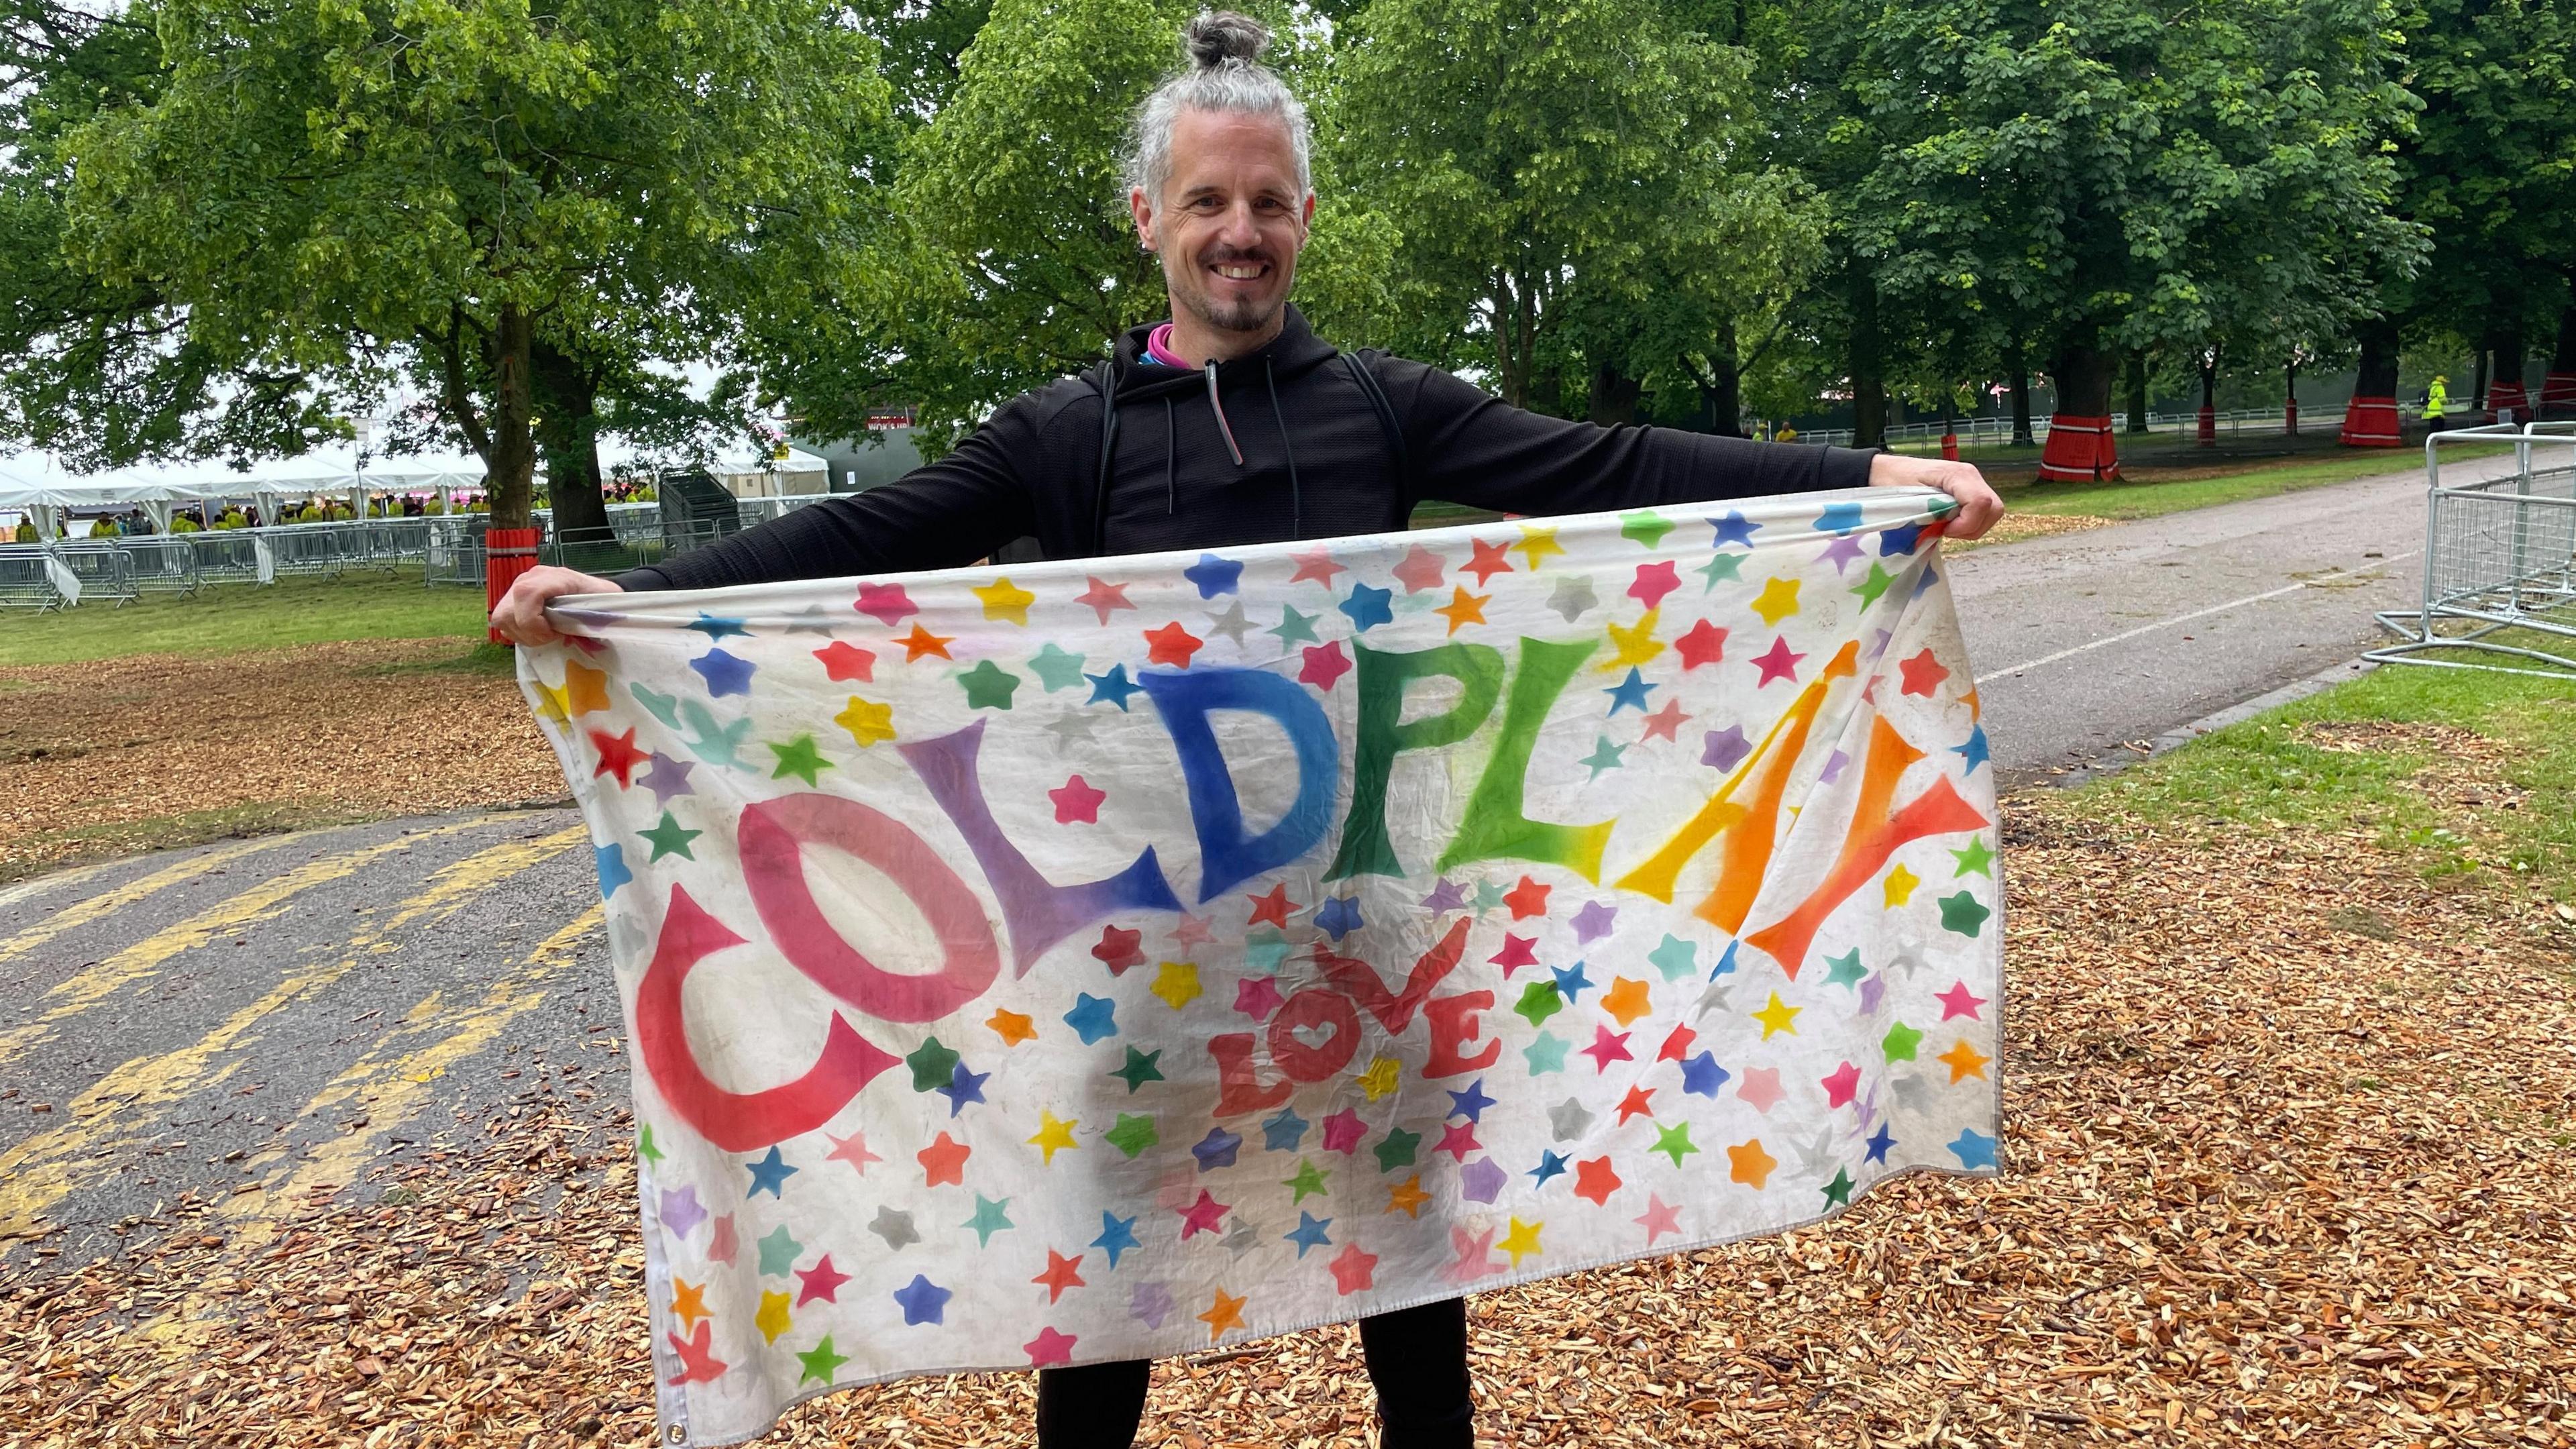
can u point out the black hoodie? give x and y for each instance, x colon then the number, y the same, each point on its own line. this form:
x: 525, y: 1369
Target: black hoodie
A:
x: 1285, y: 445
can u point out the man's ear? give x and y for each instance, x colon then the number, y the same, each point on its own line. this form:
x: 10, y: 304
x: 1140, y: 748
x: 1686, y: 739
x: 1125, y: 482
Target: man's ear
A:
x: 1143, y: 211
x: 1306, y: 215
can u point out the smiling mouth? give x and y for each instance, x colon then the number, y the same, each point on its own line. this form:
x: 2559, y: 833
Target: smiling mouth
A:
x: 1240, y: 271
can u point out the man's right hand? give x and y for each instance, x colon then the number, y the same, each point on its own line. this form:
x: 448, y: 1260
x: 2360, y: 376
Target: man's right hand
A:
x: 521, y: 614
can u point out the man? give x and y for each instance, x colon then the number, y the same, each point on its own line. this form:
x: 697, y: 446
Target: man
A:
x: 1233, y: 424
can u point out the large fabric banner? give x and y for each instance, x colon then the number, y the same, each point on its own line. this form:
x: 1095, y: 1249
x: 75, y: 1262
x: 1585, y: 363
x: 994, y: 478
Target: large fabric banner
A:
x: 1066, y: 962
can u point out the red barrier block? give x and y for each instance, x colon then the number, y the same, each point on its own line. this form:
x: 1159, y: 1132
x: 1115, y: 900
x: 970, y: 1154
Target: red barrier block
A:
x: 2079, y: 450
x: 2370, y: 422
x: 507, y: 553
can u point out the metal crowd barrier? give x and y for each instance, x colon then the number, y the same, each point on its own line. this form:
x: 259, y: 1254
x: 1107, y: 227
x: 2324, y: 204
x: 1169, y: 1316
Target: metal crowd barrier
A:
x: 161, y: 563
x: 105, y: 574
x: 27, y: 577
x: 2499, y: 560
x: 228, y: 556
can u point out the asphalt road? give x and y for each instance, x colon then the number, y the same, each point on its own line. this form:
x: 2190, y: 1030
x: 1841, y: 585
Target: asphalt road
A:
x: 255, y: 1020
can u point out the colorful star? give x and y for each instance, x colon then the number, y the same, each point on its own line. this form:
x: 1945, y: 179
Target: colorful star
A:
x: 1518, y: 951
x: 1659, y: 1218
x: 1653, y: 581
x: 1132, y: 1133
x: 1203, y: 1216
x: 1702, y: 1076
x: 1626, y: 1000
x: 820, y: 1281
x: 1177, y: 983
x: 1214, y: 575
x: 1077, y: 802
x: 1546, y: 1051
x: 1674, y: 1141
x: 617, y: 755
x: 1102, y: 597
x: 1353, y: 1271
x: 770, y: 1172
x: 1521, y: 1241
x: 1973, y: 1148
x: 772, y: 1319
x: 1900, y: 886
x: 670, y: 838
x: 1343, y: 1130
x: 1053, y: 1134
x: 1749, y: 1164
x: 1381, y: 1077
x: 1171, y: 645
x: 724, y: 673
x: 943, y: 1161
x: 1632, y: 645
x: 1607, y: 1047
x: 1900, y: 1042
x: 1976, y: 859
x: 1959, y: 1001
x: 1317, y: 564
x: 1112, y: 687
x: 1963, y: 1061
x: 1367, y: 607
x: 778, y: 1252
x: 1629, y: 692
x: 1463, y: 608
x: 1324, y: 665
x: 1489, y: 559
x: 1778, y: 1017
x: 1218, y: 1148
x: 1962, y: 914
x: 1536, y: 544
x: 989, y: 1219
x: 1055, y: 668
x: 1726, y: 748
x: 799, y: 759
x: 1923, y: 674
x: 1223, y: 1314
x: 1594, y: 1180
x: 844, y: 661
x: 1527, y: 899
x: 866, y: 720
x: 853, y: 1150
x: 1005, y: 600
x: 887, y: 603
x: 1842, y: 1085
x: 1777, y: 601
x: 1093, y: 1018
x: 1407, y: 1197
x: 921, y: 643
x: 1338, y: 917
x: 1539, y: 1001
x: 1777, y: 662
x: 1760, y: 1089
x: 1872, y: 585
x: 923, y: 1301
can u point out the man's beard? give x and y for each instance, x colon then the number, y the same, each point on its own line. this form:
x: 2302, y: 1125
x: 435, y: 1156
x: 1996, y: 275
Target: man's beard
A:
x: 1246, y: 315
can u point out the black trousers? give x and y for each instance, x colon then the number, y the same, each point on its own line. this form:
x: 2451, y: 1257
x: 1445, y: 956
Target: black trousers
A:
x: 1417, y: 1357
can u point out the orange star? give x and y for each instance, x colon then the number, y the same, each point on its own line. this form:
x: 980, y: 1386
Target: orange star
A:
x: 1464, y: 608
x: 585, y: 688
x: 1407, y: 1197
x: 921, y: 641
x: 1527, y: 899
x: 944, y: 1161
x: 1490, y: 559
x: 1012, y: 1027
x: 1963, y: 1061
x: 1061, y: 1273
x: 1171, y: 645
x: 1634, y: 1104
x: 1273, y: 908
x: 688, y: 1301
x: 1626, y: 999
x: 1751, y: 1165
x: 1224, y: 1314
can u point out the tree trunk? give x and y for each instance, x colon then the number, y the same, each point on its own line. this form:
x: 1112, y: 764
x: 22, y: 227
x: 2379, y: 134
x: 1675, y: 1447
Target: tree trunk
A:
x: 2138, y: 391
x: 510, y: 467
x: 1614, y: 397
x: 2084, y: 375
x: 1869, y: 379
x: 2478, y: 387
x: 567, y: 431
x: 2209, y: 382
x: 2508, y: 365
x: 2021, y: 400
x: 1721, y: 390
x: 1543, y: 391
x: 2379, y: 346
x: 2563, y: 357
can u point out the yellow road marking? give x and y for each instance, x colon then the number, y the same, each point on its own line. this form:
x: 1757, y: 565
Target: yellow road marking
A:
x: 395, y: 1087
x: 38, y: 885
x: 110, y: 1118
x: 121, y: 897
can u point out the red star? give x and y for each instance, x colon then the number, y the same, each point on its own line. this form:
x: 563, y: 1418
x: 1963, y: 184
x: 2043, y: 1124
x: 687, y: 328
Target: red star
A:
x: 1653, y: 581
x: 617, y: 755
x: 1841, y: 1084
x: 921, y: 641
x: 1595, y: 1180
x: 1490, y: 559
x: 1527, y: 899
x: 1118, y: 948
x: 1316, y: 564
x: 1419, y: 571
x: 1778, y: 662
x: 1923, y: 674
x: 1517, y: 951
x: 887, y: 602
x: 845, y: 661
x: 1103, y: 597
x: 1353, y: 1270
x: 1202, y: 1216
x: 698, y: 1361
x: 1061, y: 1273
x: 1634, y: 1104
x: 1050, y: 1347
x: 1959, y: 1001
x: 1076, y: 800
x: 1458, y: 1140
x: 1607, y: 1047
x: 1705, y: 643
x: 1273, y: 908
x: 1324, y: 665
x: 1664, y: 721
x: 944, y: 1161
x: 821, y: 1281
x: 1677, y: 1046
x: 1171, y: 645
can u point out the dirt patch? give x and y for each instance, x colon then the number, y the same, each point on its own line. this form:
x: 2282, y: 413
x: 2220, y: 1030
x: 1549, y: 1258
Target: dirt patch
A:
x: 2014, y: 527
x: 128, y: 754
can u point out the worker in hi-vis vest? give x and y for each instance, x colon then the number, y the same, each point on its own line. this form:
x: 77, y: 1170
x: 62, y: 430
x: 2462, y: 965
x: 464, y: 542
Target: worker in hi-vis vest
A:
x: 2436, y: 398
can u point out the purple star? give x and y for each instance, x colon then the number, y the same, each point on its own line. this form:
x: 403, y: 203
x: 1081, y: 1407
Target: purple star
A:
x: 1870, y: 991
x: 1257, y: 996
x: 1841, y: 551
x: 1726, y: 748
x: 1343, y: 1130
x: 1593, y: 922
x: 680, y: 1211
x: 1833, y: 768
x: 667, y: 778
x: 1481, y: 1180
x: 1445, y: 896
x: 1878, y: 646
x: 1151, y: 1304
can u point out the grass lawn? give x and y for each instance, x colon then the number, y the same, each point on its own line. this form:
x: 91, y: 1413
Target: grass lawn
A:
x: 231, y: 618
x: 2160, y: 491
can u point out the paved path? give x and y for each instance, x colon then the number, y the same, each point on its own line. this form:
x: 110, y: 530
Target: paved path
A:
x: 253, y: 1020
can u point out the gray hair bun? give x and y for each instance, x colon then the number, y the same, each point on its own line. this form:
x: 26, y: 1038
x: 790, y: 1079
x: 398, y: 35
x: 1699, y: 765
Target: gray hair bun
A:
x: 1216, y: 37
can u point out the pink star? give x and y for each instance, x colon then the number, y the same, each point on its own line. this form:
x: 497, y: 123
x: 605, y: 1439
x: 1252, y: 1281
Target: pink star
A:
x: 887, y: 602
x: 1664, y: 721
x: 1420, y: 570
x: 1257, y: 996
x: 1103, y: 597
x: 1607, y: 1047
x: 1324, y: 665
x: 821, y: 1281
x: 1842, y: 1085
x: 1459, y: 1140
x: 1316, y: 564
x: 1704, y: 643
x: 1517, y: 951
x: 1202, y: 1216
x: 1760, y: 1088
x: 1957, y: 1001
x: 1660, y: 1218
x: 1353, y: 1270
x: 1050, y: 1347
x: 1343, y: 1130
x: 1191, y: 930
x: 1653, y: 581
x: 1677, y: 1046
x: 845, y: 661
x: 1076, y: 800
x: 1475, y: 1255
x: 853, y: 1150
x: 1778, y: 662
x: 722, y: 1245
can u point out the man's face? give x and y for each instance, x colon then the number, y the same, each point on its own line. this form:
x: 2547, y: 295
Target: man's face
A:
x: 1230, y: 221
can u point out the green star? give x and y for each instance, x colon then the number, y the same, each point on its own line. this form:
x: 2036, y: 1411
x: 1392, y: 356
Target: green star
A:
x: 988, y: 1220
x: 1307, y: 1180
x: 1294, y: 626
x: 1539, y: 1001
x: 988, y: 685
x: 1055, y: 668
x: 799, y: 758
x: 1397, y: 1150
x: 670, y: 839
x: 1488, y: 896
x: 933, y: 1066
x: 1720, y: 570
x: 1676, y: 958
x: 1900, y: 1042
x: 1604, y: 756
x: 1140, y: 1069
x: 644, y: 1147
x: 1838, y: 1191
x: 779, y: 1251
x: 1976, y: 859
x: 1845, y: 970
x: 1876, y: 584
x: 820, y: 1362
x: 1546, y: 1053
x: 1133, y: 1134
x: 1962, y: 914
x: 1674, y: 1142
x: 1648, y: 527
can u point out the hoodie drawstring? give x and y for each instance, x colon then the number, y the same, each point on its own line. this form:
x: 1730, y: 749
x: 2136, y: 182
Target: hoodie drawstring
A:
x: 1296, y: 499
x: 1218, y: 407
x: 1171, y: 449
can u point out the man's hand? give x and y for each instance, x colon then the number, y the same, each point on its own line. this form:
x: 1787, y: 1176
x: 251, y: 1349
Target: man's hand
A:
x: 521, y: 614
x: 1979, y: 507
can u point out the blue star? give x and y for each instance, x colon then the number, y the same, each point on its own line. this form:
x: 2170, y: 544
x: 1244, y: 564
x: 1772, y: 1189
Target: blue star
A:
x: 1339, y: 917
x: 1549, y: 1165
x: 1733, y: 528
x: 1629, y: 691
x: 1214, y: 575
x: 1702, y: 1076
x: 1974, y: 751
x: 769, y: 1172
x: 723, y: 673
x: 964, y: 1087
x: 1571, y: 980
x: 1117, y: 1235
x: 1838, y: 518
x: 1283, y: 1132
x: 1725, y: 964
x: 1974, y: 1148
x: 1216, y: 1149
x: 610, y: 862
x: 1112, y: 687
x: 1930, y: 577
x: 1310, y: 1233
x: 1367, y: 606
x: 1879, y: 1142
x: 1900, y: 539
x: 1092, y: 1017
x: 1471, y: 1103
x: 715, y: 628
x: 923, y: 1301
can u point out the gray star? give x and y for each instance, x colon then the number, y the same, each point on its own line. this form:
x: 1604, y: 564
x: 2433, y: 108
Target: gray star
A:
x: 1569, y: 1119
x: 1912, y: 1094
x: 894, y: 1227
x: 1816, y: 1154
x: 1574, y: 598
x: 1713, y: 999
x: 810, y: 620
x: 1233, y: 623
x: 1906, y: 963
x: 1069, y: 726
x: 1245, y: 1235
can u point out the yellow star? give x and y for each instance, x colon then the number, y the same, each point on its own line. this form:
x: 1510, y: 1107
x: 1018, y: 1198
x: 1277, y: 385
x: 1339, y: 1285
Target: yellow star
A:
x: 1777, y: 1017
x: 1749, y: 1164
x: 1464, y: 608
x: 1177, y: 983
x: 1538, y: 543
x: 867, y: 722
x: 585, y: 688
x: 1407, y: 1198
x: 1626, y: 999
x: 1963, y: 1061
x: 1053, y: 1132
x: 1521, y: 1240
x: 1380, y: 1078
x: 1225, y: 1313
x: 1900, y: 886
x: 1632, y: 646
x: 772, y: 1319
x: 1006, y: 600
x: 688, y: 1301
x: 1777, y: 601
x: 1012, y: 1027
x: 551, y: 703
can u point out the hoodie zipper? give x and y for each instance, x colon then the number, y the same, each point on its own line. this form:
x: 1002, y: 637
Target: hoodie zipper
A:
x: 1218, y: 407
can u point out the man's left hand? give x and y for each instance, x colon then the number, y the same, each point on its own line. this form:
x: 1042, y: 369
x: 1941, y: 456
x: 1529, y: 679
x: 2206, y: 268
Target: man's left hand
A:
x: 1979, y: 507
